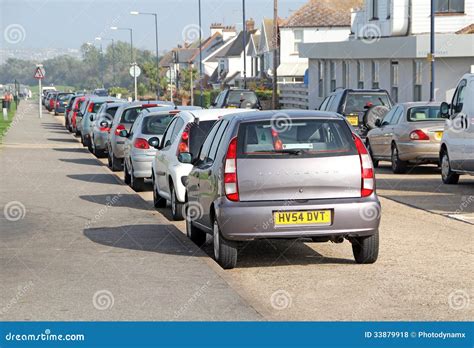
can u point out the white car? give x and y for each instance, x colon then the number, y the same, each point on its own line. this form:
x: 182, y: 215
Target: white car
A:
x: 457, y: 145
x: 185, y: 134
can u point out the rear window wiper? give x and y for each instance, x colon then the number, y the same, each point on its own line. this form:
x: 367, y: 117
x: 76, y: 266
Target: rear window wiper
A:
x: 295, y: 152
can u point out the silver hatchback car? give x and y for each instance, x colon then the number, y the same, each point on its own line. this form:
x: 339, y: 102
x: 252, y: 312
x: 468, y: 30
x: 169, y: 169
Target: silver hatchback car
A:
x: 298, y: 174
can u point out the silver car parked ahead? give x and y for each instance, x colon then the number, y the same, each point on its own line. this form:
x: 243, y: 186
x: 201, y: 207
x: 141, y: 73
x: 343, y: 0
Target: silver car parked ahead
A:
x: 410, y: 133
x: 257, y: 177
x: 100, y: 128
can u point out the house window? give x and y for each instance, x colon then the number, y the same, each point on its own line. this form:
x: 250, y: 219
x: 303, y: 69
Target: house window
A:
x: 375, y: 9
x: 395, y: 75
x: 345, y: 74
x: 332, y: 71
x: 449, y: 6
x: 418, y: 81
x: 360, y: 75
x: 321, y: 79
x: 375, y: 74
x: 298, y: 38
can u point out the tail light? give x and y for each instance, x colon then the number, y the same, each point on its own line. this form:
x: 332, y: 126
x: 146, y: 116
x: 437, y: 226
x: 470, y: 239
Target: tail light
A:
x: 141, y: 143
x: 230, y: 172
x: 57, y: 104
x: 104, y: 129
x: 184, y: 142
x: 367, y: 168
x: 419, y: 135
x: 90, y: 108
x: 119, y: 128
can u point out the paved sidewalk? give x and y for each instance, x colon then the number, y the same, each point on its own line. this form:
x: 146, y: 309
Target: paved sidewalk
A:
x: 76, y: 244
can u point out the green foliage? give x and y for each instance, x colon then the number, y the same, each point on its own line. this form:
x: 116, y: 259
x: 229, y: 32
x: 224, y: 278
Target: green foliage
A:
x: 207, y: 97
x: 114, y: 91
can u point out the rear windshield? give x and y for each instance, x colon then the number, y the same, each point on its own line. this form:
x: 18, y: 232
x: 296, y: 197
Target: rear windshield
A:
x: 109, y: 113
x: 358, y: 102
x: 156, y: 125
x: 97, y: 107
x: 63, y: 97
x: 242, y: 98
x: 198, y: 134
x: 130, y: 115
x: 304, y: 137
x: 424, y: 113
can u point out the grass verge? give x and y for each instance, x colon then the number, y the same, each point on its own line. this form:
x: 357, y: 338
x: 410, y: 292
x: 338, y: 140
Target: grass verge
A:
x: 4, y: 124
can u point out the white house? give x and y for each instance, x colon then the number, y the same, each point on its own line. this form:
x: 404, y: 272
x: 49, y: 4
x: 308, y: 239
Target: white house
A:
x: 389, y: 49
x: 316, y: 21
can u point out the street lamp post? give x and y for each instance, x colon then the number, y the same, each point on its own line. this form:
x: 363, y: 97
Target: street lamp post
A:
x: 200, y: 55
x: 113, y: 55
x: 156, y: 47
x: 244, y: 32
x: 432, y: 52
x: 133, y: 63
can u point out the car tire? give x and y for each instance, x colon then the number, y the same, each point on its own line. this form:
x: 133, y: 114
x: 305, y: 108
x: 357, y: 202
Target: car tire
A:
x: 195, y: 234
x: 225, y: 252
x: 366, y: 249
x: 369, y: 149
x: 127, y: 178
x: 398, y: 166
x: 116, y: 164
x: 137, y: 184
x: 447, y: 175
x: 176, y: 207
x: 158, y: 201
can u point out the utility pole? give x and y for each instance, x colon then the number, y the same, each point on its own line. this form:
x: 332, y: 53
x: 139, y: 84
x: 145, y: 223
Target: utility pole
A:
x: 275, y: 56
x: 244, y: 32
x: 200, y: 55
x: 191, y: 85
x: 432, y: 52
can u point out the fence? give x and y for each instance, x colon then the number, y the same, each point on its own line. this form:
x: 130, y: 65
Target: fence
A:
x: 294, y: 96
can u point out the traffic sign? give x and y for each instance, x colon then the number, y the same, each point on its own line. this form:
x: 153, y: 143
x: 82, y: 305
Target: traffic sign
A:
x: 39, y: 74
x: 135, y: 71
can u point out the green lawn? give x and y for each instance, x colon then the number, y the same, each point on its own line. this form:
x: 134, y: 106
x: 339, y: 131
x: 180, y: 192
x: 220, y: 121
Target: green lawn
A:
x: 5, y: 124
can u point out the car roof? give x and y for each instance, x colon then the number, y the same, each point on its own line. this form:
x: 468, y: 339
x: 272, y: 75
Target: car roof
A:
x: 215, y: 114
x: 414, y: 104
x: 282, y: 115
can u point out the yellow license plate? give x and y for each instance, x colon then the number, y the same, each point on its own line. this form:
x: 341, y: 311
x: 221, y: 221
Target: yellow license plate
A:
x: 313, y: 217
x: 439, y: 135
x: 231, y: 107
x: 353, y: 120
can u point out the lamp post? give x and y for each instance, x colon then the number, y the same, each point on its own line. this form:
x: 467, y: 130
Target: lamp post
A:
x: 432, y: 52
x: 200, y: 55
x: 136, y: 13
x: 113, y: 55
x: 131, y: 55
x: 244, y: 32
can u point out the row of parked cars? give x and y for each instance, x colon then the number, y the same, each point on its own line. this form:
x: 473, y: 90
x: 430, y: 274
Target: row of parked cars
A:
x: 239, y: 174
x: 415, y: 133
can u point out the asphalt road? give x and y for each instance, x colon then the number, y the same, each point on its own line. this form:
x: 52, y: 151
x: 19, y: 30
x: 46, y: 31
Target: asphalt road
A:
x: 77, y: 243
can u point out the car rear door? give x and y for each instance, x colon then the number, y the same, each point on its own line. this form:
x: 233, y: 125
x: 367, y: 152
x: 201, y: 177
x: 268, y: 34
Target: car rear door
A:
x: 457, y: 129
x: 468, y: 109
x: 378, y: 136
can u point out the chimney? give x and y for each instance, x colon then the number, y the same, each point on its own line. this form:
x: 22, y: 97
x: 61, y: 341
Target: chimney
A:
x: 250, y: 24
x: 216, y: 28
x: 228, y: 32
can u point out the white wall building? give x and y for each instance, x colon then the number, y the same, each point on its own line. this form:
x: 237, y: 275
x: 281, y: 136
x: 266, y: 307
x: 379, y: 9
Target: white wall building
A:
x: 389, y: 49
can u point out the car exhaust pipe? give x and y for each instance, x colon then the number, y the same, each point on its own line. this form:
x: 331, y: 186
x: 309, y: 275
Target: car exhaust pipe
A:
x: 338, y: 240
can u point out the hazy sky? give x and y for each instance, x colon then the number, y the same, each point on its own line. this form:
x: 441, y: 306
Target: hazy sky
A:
x: 69, y: 23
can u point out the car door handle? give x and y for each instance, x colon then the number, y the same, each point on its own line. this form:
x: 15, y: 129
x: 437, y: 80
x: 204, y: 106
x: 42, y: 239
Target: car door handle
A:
x: 160, y: 173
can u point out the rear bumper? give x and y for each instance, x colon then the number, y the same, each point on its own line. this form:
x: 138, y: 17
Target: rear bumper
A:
x: 419, y: 151
x: 142, y: 166
x: 243, y: 221
x: 100, y: 141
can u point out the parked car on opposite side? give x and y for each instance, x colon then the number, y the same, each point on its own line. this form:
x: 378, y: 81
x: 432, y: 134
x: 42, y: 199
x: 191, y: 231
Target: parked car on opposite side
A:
x: 138, y: 154
x: 457, y: 145
x: 409, y: 134
x: 256, y: 180
x: 101, y: 92
x: 49, y: 100
x: 361, y: 107
x: 100, y: 128
x: 237, y: 99
x: 185, y: 134
x: 61, y: 101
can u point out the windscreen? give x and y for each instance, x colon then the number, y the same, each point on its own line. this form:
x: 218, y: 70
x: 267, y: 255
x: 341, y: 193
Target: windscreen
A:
x: 424, y: 113
x: 130, y: 115
x: 358, y: 102
x: 156, y: 125
x: 306, y: 137
x: 242, y: 97
x: 197, y: 135
x: 63, y: 97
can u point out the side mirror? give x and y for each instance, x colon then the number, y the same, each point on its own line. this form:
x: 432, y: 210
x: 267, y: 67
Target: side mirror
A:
x: 378, y: 122
x: 444, y: 110
x: 91, y: 117
x: 105, y: 124
x: 123, y: 133
x: 154, y: 142
x: 79, y: 114
x: 185, y: 157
